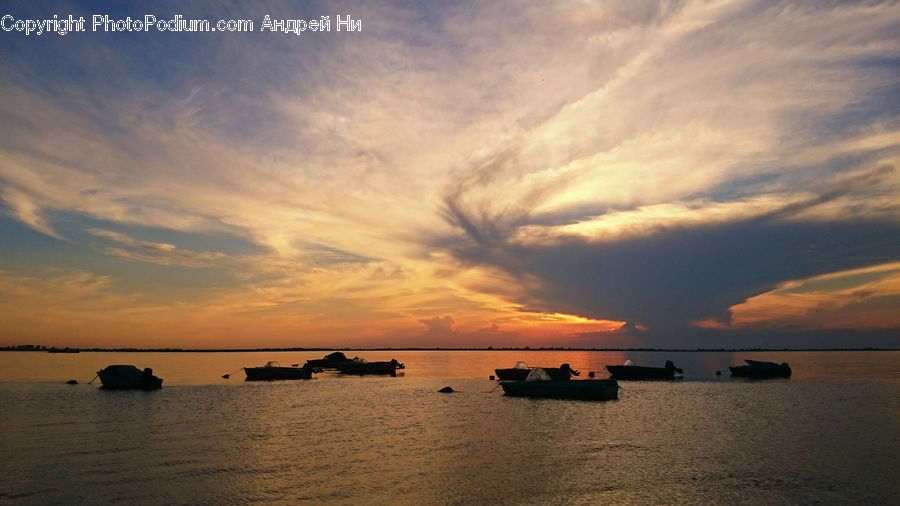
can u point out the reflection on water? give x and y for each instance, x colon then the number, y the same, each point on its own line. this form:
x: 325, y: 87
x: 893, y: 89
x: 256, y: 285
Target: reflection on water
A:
x: 383, y: 440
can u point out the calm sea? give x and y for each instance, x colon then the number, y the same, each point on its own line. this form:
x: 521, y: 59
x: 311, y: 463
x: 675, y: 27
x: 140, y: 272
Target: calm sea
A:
x: 828, y: 435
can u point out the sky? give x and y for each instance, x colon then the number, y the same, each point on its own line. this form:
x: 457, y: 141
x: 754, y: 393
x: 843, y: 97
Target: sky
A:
x: 575, y: 173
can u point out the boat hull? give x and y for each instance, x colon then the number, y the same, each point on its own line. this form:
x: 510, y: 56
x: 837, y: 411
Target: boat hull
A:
x: 277, y: 373
x: 636, y: 372
x: 594, y: 390
x: 361, y: 369
x: 128, y: 377
x: 761, y: 370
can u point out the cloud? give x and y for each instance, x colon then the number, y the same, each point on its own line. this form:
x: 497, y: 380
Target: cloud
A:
x: 440, y: 327
x: 853, y: 299
x: 26, y: 211
x: 659, y: 163
x: 679, y: 274
x: 695, y: 178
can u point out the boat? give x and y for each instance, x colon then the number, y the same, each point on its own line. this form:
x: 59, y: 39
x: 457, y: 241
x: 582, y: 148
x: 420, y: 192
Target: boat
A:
x: 538, y: 384
x: 521, y: 371
x: 593, y: 390
x: 273, y: 371
x: 330, y: 361
x: 759, y: 369
x: 362, y: 366
x: 632, y: 371
x: 128, y: 377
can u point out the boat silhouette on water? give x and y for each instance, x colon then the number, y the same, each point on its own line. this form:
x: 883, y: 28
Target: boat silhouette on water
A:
x: 128, y: 377
x: 521, y: 370
x: 632, y: 371
x: 539, y: 384
x: 273, y: 371
x: 361, y: 367
x: 757, y: 369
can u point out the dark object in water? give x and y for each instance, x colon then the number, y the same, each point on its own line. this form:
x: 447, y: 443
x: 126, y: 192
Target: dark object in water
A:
x: 362, y: 366
x: 594, y: 390
x: 273, y: 371
x: 72, y: 382
x: 632, y: 371
x: 757, y: 369
x: 446, y: 390
x: 521, y: 371
x: 128, y: 377
x: 63, y: 350
x: 330, y: 361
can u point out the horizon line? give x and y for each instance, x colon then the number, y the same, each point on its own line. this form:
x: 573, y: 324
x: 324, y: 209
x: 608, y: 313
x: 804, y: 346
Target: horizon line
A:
x: 41, y: 348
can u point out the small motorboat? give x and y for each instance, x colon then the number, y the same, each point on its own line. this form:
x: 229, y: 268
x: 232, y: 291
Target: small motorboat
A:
x: 273, y: 371
x: 521, y: 371
x: 759, y: 369
x: 538, y: 384
x: 330, y: 361
x: 632, y: 371
x: 128, y: 377
x: 362, y: 366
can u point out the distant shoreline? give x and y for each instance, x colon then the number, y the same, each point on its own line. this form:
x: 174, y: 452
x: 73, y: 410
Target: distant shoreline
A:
x: 44, y: 349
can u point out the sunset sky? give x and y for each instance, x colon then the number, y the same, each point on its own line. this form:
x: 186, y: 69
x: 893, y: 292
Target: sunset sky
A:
x: 574, y: 173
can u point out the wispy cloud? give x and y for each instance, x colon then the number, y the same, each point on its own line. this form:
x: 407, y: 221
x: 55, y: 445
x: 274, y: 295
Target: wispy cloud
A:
x: 487, y: 163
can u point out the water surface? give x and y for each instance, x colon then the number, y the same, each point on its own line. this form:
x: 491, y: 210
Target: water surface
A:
x: 828, y: 435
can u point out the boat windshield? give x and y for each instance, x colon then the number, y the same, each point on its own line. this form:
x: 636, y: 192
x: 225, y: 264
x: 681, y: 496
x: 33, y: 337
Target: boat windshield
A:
x: 272, y: 363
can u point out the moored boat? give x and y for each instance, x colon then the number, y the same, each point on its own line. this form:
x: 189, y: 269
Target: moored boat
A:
x: 521, y: 371
x: 759, y: 369
x: 273, y: 371
x: 538, y: 384
x: 128, y: 377
x: 632, y: 371
x: 361, y: 366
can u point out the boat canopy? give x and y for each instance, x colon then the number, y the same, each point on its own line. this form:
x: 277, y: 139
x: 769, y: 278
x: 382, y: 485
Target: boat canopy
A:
x: 521, y: 365
x: 630, y: 362
x: 272, y: 363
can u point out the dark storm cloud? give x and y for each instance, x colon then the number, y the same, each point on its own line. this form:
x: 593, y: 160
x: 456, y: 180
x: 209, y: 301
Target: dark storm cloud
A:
x: 678, y: 275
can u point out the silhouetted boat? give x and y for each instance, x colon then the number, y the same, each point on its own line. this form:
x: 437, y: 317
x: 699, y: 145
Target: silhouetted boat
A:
x: 539, y: 384
x: 758, y: 369
x: 362, y: 366
x: 330, y: 361
x: 521, y: 370
x: 632, y: 371
x: 128, y: 377
x: 273, y: 371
